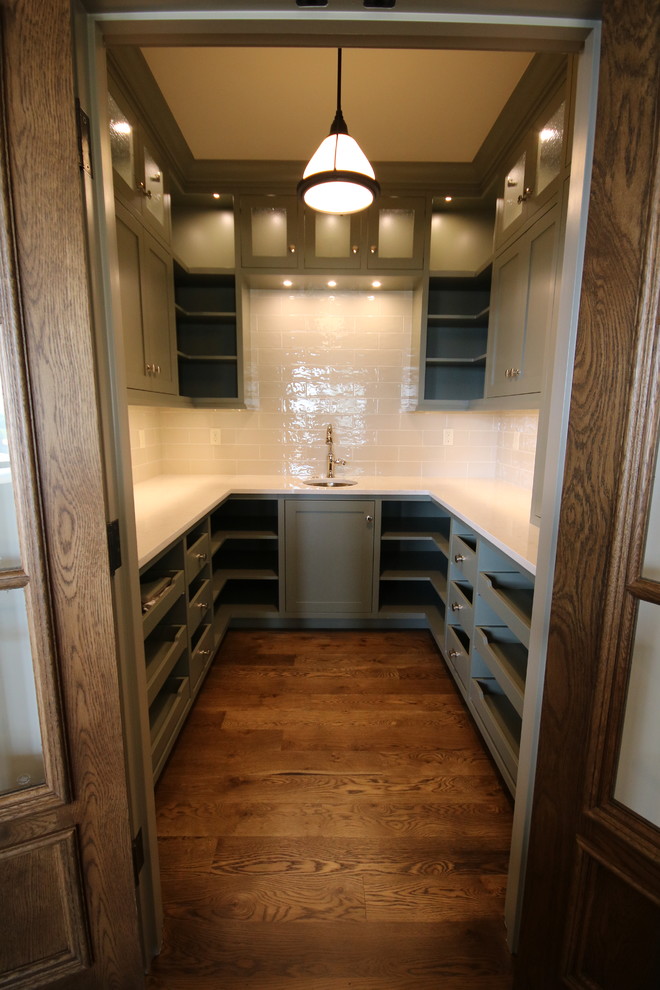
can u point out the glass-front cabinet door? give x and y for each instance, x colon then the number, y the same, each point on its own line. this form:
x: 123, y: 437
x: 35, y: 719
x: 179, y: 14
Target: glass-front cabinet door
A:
x: 536, y: 167
x: 333, y: 241
x: 269, y: 232
x: 397, y: 233
x: 138, y: 176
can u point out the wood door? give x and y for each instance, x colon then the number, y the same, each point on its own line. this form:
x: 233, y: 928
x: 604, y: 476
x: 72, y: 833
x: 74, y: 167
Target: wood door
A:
x: 69, y: 915
x: 591, y: 908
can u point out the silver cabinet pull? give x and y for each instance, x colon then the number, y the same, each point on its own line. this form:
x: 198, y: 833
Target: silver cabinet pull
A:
x: 202, y: 604
x: 454, y: 653
x: 355, y: 249
x: 200, y: 556
x: 373, y: 249
x: 525, y: 196
x: 369, y: 518
x: 145, y: 192
x: 204, y: 653
x: 459, y: 557
x: 292, y: 248
x: 456, y: 606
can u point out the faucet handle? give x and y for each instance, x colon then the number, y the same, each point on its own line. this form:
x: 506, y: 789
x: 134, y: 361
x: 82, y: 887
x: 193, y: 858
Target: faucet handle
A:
x: 328, y: 434
x: 339, y: 460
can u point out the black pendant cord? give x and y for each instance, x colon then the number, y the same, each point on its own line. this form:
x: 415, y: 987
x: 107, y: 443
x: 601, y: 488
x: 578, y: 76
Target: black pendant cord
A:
x: 339, y: 80
x: 339, y: 124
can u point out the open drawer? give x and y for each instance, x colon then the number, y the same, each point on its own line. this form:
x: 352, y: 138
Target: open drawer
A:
x: 162, y: 650
x: 510, y: 595
x: 165, y: 714
x: 158, y: 593
x: 505, y: 658
x: 501, y: 722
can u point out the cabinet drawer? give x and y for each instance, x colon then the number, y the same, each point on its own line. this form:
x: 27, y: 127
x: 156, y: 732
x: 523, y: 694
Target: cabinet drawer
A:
x: 459, y: 604
x: 464, y: 557
x: 510, y: 595
x: 506, y: 660
x: 158, y: 594
x: 501, y: 723
x: 197, y: 556
x: 162, y: 651
x: 164, y: 716
x: 199, y: 606
x: 201, y: 655
x: 458, y: 653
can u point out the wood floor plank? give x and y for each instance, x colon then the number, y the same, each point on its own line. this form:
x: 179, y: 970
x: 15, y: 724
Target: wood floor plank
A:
x: 277, y: 899
x: 482, y: 857
x: 329, y: 820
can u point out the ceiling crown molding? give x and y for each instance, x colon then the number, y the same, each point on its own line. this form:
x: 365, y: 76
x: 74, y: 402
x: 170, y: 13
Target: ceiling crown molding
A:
x: 129, y: 68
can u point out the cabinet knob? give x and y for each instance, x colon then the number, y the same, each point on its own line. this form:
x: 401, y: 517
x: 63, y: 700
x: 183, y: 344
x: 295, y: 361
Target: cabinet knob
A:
x: 200, y: 556
x: 157, y: 367
x: 292, y: 248
x: 355, y: 249
x: 454, y: 653
x: 456, y: 606
x: 145, y: 192
x: 373, y: 249
x: 369, y: 519
x: 525, y: 196
x: 149, y: 369
x: 204, y: 653
x: 202, y: 604
x: 459, y: 557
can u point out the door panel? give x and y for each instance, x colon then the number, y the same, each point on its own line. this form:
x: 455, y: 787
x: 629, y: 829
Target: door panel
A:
x: 591, y: 908
x: 66, y: 879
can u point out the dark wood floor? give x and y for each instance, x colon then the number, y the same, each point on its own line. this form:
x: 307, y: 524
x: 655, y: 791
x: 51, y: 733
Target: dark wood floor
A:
x: 329, y: 820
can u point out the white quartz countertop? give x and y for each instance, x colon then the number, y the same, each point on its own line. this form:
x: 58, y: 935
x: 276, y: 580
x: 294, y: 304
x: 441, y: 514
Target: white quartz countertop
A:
x: 168, y: 505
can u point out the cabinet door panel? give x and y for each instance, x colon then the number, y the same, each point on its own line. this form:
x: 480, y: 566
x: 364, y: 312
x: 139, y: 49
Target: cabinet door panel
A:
x: 541, y: 294
x: 130, y: 261
x: 329, y: 556
x: 158, y: 306
x: 397, y: 233
x: 506, y: 325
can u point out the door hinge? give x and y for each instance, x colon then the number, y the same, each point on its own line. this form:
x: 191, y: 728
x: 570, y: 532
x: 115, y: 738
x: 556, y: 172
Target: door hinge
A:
x: 84, y: 141
x: 114, y: 546
x: 137, y: 846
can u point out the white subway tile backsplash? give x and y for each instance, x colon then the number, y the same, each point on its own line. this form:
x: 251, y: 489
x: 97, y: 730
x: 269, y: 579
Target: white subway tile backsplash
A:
x: 349, y: 360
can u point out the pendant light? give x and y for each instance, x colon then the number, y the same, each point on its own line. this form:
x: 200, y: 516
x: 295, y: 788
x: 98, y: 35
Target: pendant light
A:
x: 339, y: 177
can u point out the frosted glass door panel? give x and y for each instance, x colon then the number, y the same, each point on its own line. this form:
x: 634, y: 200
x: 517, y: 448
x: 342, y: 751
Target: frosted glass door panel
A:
x: 10, y: 556
x: 550, y: 145
x: 269, y: 233
x: 638, y: 774
x: 651, y: 565
x: 21, y: 760
x: 122, y: 143
x: 396, y: 233
x: 153, y: 185
x: 333, y: 236
x: 514, y: 186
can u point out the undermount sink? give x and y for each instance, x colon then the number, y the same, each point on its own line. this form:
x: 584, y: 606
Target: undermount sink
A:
x: 330, y: 482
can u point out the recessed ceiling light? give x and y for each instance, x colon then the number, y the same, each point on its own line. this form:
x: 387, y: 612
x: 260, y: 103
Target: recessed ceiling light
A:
x: 376, y: 284
x: 448, y: 199
x: 216, y: 195
x: 331, y: 283
x: 287, y: 283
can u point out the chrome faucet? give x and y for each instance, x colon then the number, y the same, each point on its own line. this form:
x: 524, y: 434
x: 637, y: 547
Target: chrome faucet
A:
x: 331, y: 459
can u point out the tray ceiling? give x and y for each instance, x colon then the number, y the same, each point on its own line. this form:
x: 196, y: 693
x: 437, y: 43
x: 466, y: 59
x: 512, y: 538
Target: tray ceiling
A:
x: 276, y: 104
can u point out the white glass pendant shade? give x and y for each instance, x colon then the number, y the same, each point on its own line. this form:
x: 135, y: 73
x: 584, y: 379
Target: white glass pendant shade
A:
x: 339, y: 178
x: 334, y: 192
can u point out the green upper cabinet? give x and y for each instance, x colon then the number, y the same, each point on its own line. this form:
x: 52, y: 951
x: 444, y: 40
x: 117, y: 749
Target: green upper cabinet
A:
x: 269, y: 232
x: 278, y: 233
x: 333, y: 241
x: 397, y: 233
x: 535, y: 171
x: 524, y: 282
x: 147, y: 307
x: 138, y: 176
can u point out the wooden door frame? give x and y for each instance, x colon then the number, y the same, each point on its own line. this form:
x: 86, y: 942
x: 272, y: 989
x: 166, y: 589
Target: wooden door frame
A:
x: 591, y: 624
x: 427, y: 29
x: 49, y: 279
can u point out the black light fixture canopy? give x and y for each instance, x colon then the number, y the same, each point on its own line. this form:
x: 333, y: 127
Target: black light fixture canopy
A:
x: 339, y: 177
